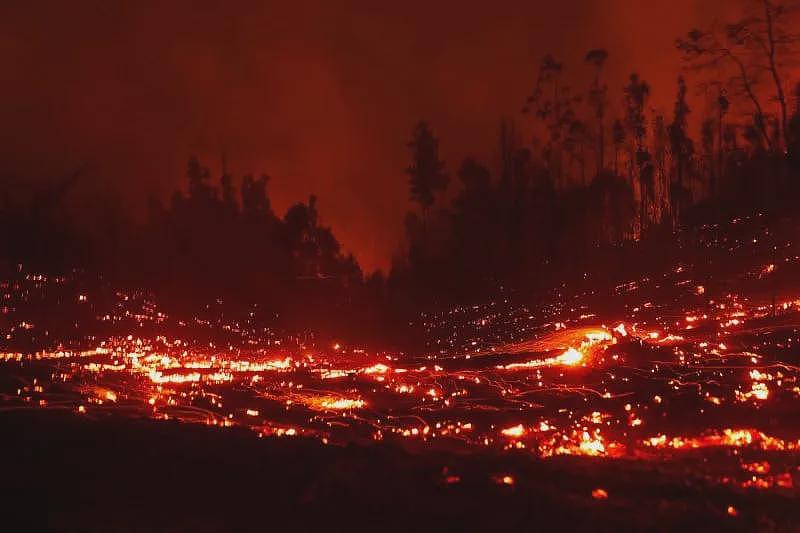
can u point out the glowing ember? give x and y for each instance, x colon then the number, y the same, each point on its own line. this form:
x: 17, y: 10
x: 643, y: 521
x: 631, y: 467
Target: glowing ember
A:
x: 343, y: 403
x: 504, y: 480
x: 570, y: 357
x: 694, y: 372
x: 516, y: 431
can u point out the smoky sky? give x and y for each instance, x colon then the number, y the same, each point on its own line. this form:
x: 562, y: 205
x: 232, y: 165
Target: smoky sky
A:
x: 321, y: 95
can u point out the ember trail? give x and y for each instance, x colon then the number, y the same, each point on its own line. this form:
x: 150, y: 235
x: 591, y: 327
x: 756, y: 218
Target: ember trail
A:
x: 701, y: 370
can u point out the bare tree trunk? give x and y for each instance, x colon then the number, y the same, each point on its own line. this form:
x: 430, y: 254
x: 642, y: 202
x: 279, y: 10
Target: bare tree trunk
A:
x: 748, y: 89
x: 601, y: 148
x: 582, y: 162
x: 666, y: 206
x: 642, y: 207
x: 720, y: 153
x: 773, y: 68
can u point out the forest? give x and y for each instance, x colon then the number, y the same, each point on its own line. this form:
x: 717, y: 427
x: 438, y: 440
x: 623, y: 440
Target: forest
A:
x: 603, y: 179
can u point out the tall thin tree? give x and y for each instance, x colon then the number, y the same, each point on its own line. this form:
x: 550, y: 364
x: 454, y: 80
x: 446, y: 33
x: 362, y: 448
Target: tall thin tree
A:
x: 598, y: 99
x: 426, y: 174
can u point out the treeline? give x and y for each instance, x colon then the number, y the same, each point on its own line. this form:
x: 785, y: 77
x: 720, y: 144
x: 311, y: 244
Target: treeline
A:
x: 232, y: 241
x: 213, y: 235
x: 599, y: 186
x: 217, y: 242
x: 604, y: 180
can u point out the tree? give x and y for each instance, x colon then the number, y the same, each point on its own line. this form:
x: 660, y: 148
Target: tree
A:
x: 577, y: 137
x: 636, y: 94
x: 198, y: 180
x: 553, y: 105
x: 681, y: 147
x: 228, y: 191
x: 770, y: 35
x: 475, y: 177
x: 794, y: 129
x: 758, y: 42
x: 723, y: 105
x: 660, y: 144
x: 426, y: 173
x: 615, y: 205
x: 598, y: 100
x: 303, y: 234
x: 618, y: 135
x: 254, y: 196
x: 474, y: 219
x: 508, y: 145
x: 707, y: 140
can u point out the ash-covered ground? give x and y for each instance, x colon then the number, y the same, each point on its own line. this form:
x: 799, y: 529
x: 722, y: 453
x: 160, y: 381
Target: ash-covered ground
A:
x: 663, y: 402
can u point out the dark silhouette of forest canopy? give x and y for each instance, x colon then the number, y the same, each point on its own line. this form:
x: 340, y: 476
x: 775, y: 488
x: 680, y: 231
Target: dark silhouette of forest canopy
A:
x: 603, y: 175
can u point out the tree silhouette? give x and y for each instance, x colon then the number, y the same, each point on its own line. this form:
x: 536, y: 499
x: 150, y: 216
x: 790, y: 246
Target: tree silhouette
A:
x: 598, y: 100
x: 723, y: 104
x: 768, y: 33
x: 618, y: 136
x: 707, y: 141
x: 544, y: 214
x: 198, y: 175
x: 426, y: 172
x: 758, y: 42
x: 660, y: 151
x: 553, y: 106
x: 794, y: 125
x: 616, y: 206
x: 228, y: 191
x: 682, y: 149
x: 474, y: 219
x: 255, y: 201
x: 636, y: 94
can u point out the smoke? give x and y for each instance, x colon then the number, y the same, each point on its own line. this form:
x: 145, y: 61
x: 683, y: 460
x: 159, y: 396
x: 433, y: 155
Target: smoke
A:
x: 320, y: 95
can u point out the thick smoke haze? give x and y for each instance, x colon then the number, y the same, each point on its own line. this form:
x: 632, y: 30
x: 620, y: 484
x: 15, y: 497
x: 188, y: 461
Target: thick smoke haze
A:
x: 320, y: 95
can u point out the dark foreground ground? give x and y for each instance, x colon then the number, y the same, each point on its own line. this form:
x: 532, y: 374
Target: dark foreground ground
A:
x: 64, y: 472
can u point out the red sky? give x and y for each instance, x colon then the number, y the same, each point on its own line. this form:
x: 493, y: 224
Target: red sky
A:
x: 320, y: 95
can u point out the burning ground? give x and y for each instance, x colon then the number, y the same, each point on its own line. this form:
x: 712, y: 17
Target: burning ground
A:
x: 672, y: 398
